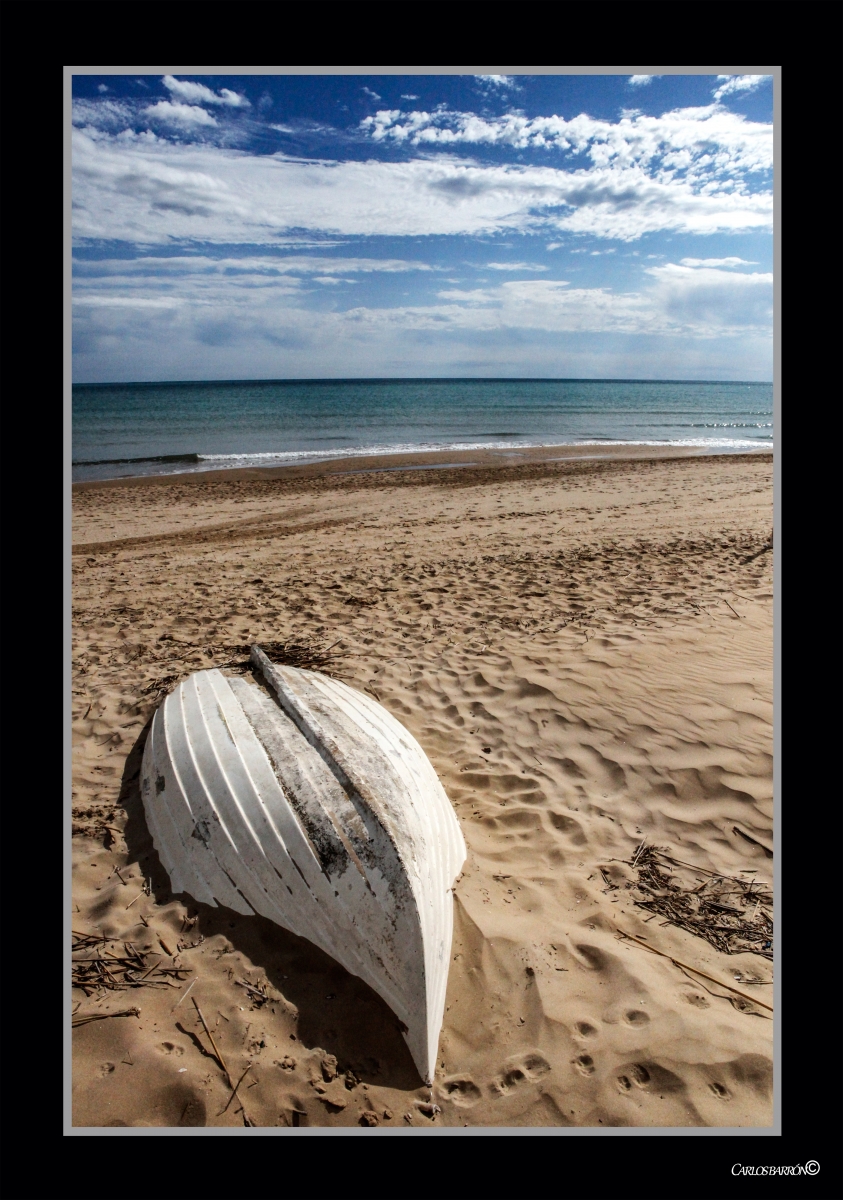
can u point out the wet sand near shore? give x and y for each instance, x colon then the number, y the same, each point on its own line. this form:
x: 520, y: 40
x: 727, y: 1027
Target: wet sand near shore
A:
x: 418, y: 460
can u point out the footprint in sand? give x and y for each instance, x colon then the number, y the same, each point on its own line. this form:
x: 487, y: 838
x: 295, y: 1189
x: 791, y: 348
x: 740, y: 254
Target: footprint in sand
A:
x: 584, y: 1063
x: 506, y: 1082
x: 462, y: 1091
x: 585, y: 1030
x: 535, y: 1066
x: 636, y: 1017
x: 531, y: 1067
x: 171, y: 1048
x: 718, y: 1090
x: 652, y: 1078
x: 695, y: 999
x: 636, y: 1074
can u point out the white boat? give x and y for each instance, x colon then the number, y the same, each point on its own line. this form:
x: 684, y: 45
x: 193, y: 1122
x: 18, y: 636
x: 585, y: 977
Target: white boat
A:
x: 309, y: 803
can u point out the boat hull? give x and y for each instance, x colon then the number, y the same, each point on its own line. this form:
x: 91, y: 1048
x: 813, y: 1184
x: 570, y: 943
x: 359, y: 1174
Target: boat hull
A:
x: 307, y: 802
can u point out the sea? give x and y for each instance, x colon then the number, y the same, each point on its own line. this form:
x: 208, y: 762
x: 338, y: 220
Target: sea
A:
x: 130, y: 429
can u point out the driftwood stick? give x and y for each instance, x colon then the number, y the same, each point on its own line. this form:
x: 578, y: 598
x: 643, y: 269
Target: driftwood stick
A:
x: 213, y: 1043
x: 696, y: 970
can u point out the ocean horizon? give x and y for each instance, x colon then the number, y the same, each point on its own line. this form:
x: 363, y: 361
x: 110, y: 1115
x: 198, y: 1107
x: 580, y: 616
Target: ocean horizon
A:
x: 134, y: 429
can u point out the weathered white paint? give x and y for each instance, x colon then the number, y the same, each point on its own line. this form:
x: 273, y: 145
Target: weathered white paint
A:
x: 317, y: 809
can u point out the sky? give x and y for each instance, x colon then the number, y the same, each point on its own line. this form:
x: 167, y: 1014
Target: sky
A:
x: 320, y: 226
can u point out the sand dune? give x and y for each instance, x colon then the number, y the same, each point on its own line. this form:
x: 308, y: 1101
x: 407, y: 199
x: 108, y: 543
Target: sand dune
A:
x: 584, y: 650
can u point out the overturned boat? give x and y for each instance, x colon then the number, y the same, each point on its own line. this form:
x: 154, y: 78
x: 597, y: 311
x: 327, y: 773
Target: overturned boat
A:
x: 307, y: 802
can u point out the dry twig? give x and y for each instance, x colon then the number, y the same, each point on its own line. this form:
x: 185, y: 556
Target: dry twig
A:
x: 234, y: 1089
x: 699, y: 907
x: 220, y: 1058
x: 95, y: 966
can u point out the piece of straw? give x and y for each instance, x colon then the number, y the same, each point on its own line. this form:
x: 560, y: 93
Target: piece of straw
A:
x: 696, y: 970
x: 234, y: 1090
x: 213, y: 1043
x: 125, y: 1012
x: 178, y: 1002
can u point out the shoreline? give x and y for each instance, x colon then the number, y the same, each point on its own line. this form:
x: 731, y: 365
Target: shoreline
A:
x: 427, y: 460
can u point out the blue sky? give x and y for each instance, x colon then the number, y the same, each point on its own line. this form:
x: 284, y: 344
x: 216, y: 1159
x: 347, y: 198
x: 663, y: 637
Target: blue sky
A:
x: 256, y: 227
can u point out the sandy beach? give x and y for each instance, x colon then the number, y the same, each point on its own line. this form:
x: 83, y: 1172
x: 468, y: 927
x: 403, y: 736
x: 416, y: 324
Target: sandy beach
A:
x: 583, y: 647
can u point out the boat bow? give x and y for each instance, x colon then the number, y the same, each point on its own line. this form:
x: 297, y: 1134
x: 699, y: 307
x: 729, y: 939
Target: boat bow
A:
x: 309, y: 803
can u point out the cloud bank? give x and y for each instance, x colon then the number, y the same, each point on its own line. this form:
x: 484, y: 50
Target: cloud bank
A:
x: 258, y: 307
x: 139, y: 188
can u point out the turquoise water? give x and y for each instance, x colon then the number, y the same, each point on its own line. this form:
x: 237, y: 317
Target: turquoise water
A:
x: 157, y: 428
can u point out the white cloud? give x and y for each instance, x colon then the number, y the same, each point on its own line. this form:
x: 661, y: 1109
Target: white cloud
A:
x: 127, y: 301
x: 679, y: 302
x: 521, y: 266
x: 641, y: 80
x: 497, y: 81
x: 403, y: 97
x: 554, y: 245
x: 702, y: 144
x: 705, y: 300
x: 233, y: 99
x: 136, y: 188
x: 731, y: 261
x: 159, y: 268
x: 739, y: 83
x: 230, y: 287
x: 198, y: 93
x: 369, y: 92
x: 102, y: 88
x: 183, y: 116
x: 111, y: 115
x: 547, y: 305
